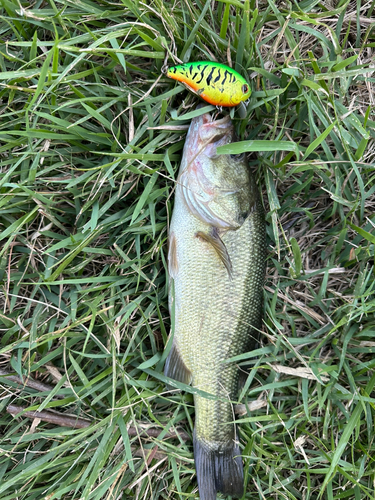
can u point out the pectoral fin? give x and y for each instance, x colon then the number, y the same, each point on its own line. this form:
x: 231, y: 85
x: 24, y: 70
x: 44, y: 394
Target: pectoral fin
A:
x: 218, y: 245
x: 199, y: 197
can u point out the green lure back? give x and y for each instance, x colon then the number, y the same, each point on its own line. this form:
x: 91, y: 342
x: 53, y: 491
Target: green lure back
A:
x: 216, y: 83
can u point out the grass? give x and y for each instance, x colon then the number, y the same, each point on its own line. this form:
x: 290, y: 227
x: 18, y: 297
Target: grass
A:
x: 91, y: 136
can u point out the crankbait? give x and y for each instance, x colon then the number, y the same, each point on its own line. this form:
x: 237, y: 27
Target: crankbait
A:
x: 216, y: 83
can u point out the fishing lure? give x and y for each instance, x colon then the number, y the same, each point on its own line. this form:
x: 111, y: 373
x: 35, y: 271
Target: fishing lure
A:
x: 216, y: 83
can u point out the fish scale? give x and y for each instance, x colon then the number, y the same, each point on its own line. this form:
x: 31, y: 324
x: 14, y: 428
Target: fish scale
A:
x: 217, y: 307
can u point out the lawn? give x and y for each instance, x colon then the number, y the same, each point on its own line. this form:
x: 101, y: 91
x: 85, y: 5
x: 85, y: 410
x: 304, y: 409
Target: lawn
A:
x: 91, y: 138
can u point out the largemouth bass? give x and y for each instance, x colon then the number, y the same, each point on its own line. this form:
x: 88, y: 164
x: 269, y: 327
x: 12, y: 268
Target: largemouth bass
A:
x: 216, y: 262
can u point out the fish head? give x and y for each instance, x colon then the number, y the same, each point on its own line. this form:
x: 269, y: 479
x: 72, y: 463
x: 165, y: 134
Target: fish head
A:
x: 204, y: 137
x: 214, y: 133
x: 202, y: 160
x: 213, y: 182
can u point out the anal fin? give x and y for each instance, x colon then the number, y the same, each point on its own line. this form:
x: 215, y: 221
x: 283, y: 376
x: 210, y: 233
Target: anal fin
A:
x: 175, y: 368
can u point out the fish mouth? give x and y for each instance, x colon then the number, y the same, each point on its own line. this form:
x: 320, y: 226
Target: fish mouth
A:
x: 205, y: 135
x: 209, y: 133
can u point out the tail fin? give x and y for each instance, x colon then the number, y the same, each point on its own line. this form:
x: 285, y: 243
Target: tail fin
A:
x: 218, y: 469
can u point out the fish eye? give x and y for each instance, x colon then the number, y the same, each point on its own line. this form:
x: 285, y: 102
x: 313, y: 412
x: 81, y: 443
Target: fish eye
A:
x: 238, y: 157
x: 245, y: 88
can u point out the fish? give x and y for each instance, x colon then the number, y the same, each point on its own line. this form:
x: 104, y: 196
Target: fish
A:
x: 216, y: 267
x: 216, y: 83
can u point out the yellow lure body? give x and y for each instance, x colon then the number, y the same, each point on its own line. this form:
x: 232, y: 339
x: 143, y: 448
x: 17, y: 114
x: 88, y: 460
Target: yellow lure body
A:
x: 214, y: 82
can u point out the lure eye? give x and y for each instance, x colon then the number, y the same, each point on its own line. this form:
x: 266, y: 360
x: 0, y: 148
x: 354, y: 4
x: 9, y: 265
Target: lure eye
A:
x: 245, y: 88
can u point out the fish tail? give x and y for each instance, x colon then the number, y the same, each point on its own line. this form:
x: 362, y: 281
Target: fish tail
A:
x: 219, y: 468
